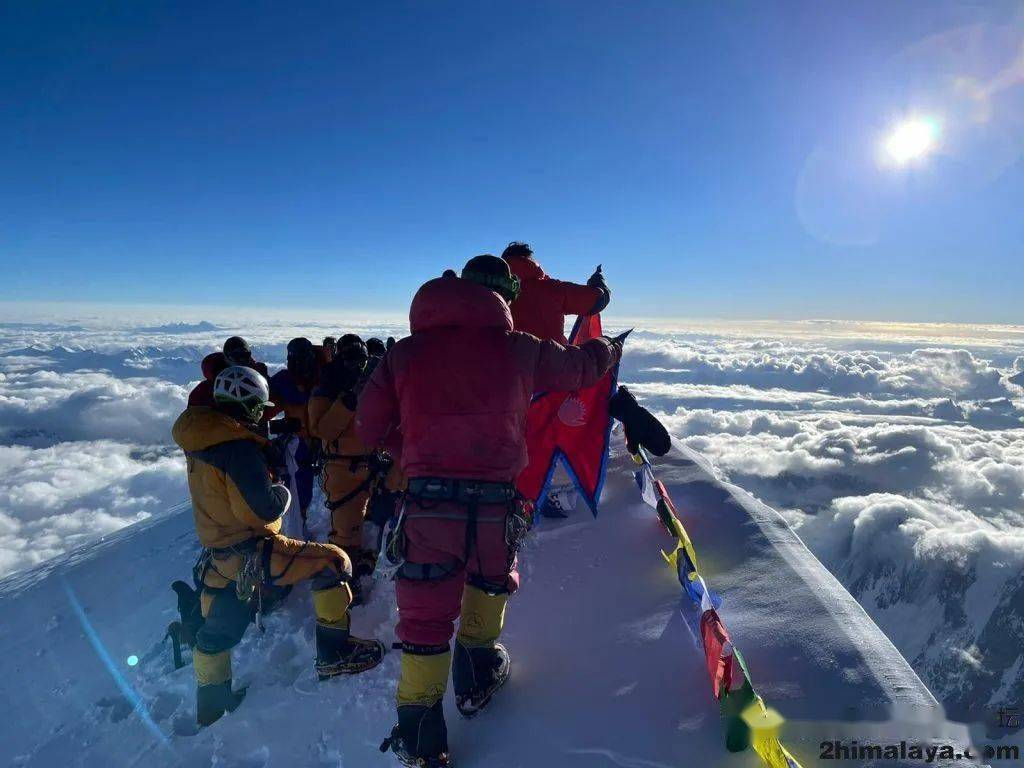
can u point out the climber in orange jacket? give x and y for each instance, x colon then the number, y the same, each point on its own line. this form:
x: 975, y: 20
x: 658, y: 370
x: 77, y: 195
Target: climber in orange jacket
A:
x: 352, y: 471
x: 237, y: 508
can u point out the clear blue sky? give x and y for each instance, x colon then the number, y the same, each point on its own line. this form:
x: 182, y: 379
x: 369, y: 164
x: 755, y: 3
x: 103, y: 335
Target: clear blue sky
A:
x: 716, y: 157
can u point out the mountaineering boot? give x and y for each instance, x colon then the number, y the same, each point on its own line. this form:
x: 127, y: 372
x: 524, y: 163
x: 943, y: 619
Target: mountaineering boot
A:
x: 477, y: 673
x: 480, y: 664
x: 212, y: 701
x: 338, y: 653
x: 214, y: 696
x: 420, y: 740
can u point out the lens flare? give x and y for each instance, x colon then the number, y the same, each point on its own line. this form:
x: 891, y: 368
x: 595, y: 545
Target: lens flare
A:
x: 133, y: 698
x: 133, y: 660
x: 911, y: 140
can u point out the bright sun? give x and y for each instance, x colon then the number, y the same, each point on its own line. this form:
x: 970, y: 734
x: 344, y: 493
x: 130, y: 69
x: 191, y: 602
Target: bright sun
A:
x: 911, y: 140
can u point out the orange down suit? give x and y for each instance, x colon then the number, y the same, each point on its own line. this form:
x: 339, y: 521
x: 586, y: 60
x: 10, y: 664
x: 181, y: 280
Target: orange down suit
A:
x: 347, y: 471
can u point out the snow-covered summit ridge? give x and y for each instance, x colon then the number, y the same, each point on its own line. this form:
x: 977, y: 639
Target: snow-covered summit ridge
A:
x: 606, y: 669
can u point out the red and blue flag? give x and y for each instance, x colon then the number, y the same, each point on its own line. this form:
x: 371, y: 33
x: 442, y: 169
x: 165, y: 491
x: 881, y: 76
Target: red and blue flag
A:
x: 571, y: 427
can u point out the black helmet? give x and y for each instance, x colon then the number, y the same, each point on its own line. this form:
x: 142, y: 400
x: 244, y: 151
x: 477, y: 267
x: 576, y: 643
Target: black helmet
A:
x: 237, y: 351
x: 515, y: 248
x: 301, y: 356
x: 352, y: 351
x: 493, y: 273
x: 375, y: 347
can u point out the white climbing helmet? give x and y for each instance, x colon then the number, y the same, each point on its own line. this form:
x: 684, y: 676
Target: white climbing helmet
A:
x: 244, y: 386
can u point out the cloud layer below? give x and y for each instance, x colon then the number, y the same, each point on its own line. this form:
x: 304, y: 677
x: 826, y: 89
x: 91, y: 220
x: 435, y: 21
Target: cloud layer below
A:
x: 900, y: 465
x: 897, y: 452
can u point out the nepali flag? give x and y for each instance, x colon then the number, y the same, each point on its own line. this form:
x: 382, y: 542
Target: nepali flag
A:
x: 573, y: 427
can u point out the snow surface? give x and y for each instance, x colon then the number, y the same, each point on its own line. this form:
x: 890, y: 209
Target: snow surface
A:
x: 606, y: 668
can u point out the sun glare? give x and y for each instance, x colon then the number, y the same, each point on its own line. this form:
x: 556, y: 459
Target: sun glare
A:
x: 911, y: 140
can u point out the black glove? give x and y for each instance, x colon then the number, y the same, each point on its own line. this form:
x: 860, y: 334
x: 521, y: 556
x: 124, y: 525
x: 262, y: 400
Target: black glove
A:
x: 383, y: 506
x: 328, y: 387
x: 336, y: 380
x: 597, y: 280
x: 642, y: 427
x: 275, y: 458
x: 348, y: 378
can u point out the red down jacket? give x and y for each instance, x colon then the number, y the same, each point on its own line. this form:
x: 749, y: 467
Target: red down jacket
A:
x: 544, y: 302
x: 456, y: 391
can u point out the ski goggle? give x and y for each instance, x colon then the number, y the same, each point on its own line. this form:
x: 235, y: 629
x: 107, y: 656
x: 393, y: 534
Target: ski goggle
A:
x: 354, y: 362
x: 301, y: 362
x: 253, y: 407
x: 239, y: 357
x: 507, y: 287
x: 353, y: 355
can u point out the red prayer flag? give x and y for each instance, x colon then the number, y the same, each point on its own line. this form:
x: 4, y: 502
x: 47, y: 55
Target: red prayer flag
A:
x: 717, y: 651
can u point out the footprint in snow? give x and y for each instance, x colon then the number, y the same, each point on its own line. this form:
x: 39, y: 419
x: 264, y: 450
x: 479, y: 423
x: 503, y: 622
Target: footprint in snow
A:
x: 184, y: 724
x: 164, y: 705
x: 118, y: 706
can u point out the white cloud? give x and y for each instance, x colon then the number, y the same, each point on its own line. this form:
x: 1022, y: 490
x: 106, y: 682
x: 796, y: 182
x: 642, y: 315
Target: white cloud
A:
x: 55, y: 498
x: 959, y: 464
x: 767, y: 365
x: 44, y: 407
x: 83, y: 452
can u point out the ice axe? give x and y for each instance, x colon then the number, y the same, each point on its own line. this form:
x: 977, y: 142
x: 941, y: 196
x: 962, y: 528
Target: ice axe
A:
x: 174, y: 630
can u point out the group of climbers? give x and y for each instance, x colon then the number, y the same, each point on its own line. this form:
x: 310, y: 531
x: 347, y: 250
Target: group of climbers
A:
x: 427, y: 435
x: 352, y: 472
